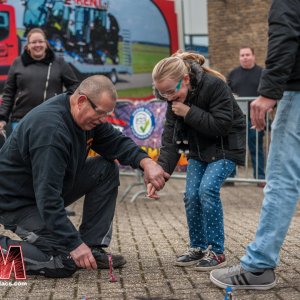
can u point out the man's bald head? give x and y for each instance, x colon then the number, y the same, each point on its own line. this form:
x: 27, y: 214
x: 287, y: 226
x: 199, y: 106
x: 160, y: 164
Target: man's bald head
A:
x: 95, y: 85
x: 92, y: 101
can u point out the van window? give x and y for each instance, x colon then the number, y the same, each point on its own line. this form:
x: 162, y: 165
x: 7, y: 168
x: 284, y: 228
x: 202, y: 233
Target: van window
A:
x: 4, y: 25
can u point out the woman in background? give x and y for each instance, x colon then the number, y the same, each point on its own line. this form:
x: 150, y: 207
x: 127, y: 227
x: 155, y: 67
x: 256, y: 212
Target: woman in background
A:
x: 34, y: 77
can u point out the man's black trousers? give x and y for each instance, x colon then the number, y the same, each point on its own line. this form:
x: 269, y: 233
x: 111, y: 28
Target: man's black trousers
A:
x: 98, y: 181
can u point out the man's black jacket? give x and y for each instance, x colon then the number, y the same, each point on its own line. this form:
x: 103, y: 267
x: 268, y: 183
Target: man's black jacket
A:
x: 282, y: 71
x: 41, y: 158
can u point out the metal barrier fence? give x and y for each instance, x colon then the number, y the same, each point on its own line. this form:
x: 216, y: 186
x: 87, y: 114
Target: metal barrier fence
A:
x: 244, y: 174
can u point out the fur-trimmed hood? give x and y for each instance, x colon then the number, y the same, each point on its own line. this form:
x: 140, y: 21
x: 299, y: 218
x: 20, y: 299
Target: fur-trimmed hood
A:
x: 27, y: 59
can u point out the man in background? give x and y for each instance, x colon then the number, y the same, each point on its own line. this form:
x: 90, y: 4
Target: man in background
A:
x: 244, y: 81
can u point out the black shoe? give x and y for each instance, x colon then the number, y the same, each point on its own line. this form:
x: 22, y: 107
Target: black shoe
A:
x: 101, y: 257
x: 61, y: 266
x: 189, y: 258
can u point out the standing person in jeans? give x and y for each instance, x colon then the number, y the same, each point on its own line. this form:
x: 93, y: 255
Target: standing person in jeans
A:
x: 204, y: 120
x: 44, y: 168
x: 280, y: 81
x: 34, y: 77
x: 244, y: 81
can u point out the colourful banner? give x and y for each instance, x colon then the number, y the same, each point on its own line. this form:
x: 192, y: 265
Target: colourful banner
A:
x: 143, y: 122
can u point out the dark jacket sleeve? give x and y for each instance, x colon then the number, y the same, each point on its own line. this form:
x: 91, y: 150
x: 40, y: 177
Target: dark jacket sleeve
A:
x: 229, y: 79
x: 169, y: 155
x: 216, y: 119
x: 284, y: 28
x: 49, y: 163
x: 9, y: 92
x: 112, y: 144
x: 69, y: 78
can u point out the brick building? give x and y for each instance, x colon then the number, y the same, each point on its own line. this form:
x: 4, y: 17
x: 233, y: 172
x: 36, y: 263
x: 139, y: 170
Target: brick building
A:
x: 235, y: 23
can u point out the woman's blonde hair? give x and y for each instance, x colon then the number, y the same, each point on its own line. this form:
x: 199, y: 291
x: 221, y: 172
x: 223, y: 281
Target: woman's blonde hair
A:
x: 179, y: 64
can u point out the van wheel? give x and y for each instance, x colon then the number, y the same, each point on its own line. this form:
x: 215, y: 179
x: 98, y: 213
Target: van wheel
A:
x: 113, y: 76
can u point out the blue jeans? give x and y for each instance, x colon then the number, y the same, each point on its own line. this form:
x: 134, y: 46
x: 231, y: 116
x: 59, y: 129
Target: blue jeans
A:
x: 260, y: 152
x: 282, y: 190
x: 203, y: 204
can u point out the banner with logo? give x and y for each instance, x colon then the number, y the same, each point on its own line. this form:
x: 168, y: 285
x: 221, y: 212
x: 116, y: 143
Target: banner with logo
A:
x: 143, y: 122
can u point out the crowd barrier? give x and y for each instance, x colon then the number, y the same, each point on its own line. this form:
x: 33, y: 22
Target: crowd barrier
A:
x: 143, y: 121
x: 244, y: 174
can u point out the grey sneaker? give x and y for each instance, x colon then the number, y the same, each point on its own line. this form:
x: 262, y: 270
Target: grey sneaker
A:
x: 190, y: 257
x: 237, y: 278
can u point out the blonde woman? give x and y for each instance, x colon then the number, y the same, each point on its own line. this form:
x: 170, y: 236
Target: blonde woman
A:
x: 203, y: 120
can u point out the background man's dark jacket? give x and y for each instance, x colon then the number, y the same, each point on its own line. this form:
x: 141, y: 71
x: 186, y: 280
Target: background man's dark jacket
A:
x: 244, y: 82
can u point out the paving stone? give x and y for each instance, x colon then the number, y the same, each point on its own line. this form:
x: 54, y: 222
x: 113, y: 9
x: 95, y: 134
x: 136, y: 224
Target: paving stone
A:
x: 150, y: 234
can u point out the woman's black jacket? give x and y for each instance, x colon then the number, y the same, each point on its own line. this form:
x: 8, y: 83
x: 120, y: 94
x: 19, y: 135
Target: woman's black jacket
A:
x: 30, y: 82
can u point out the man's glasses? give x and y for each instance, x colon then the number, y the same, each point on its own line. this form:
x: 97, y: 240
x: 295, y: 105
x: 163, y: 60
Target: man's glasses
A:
x: 100, y: 113
x: 171, y: 93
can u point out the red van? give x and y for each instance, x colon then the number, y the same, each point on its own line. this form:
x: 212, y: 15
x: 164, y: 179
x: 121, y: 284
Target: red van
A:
x: 9, y: 47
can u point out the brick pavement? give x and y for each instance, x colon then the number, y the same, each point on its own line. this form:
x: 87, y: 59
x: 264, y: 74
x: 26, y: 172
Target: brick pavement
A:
x: 150, y: 234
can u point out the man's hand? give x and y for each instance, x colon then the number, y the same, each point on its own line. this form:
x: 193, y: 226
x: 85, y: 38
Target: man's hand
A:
x: 154, y: 173
x: 259, y: 107
x: 83, y: 257
x: 180, y: 109
x: 151, y: 192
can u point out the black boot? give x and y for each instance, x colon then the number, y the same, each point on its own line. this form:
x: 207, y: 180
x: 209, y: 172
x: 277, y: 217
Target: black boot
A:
x: 101, y: 257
